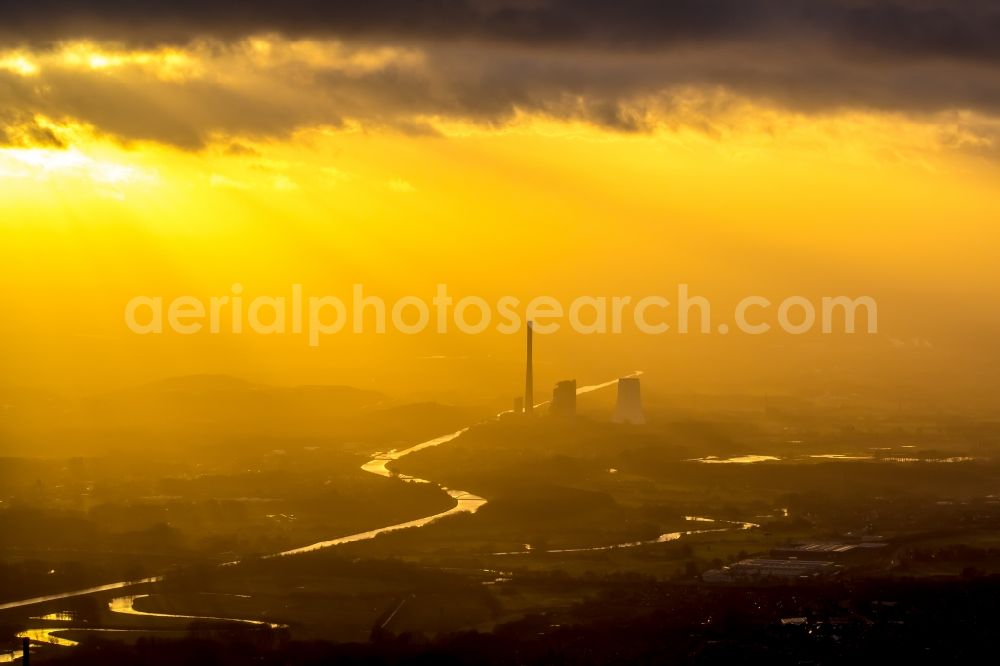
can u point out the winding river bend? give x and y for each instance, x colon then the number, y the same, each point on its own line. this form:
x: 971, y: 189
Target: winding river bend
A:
x: 727, y: 526
x: 465, y: 502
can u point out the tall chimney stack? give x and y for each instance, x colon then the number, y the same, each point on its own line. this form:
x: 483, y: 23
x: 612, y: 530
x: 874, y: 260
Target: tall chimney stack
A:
x: 529, y: 380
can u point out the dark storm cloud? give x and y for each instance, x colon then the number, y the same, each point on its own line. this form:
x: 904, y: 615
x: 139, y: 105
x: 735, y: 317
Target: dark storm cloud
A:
x: 966, y: 29
x: 626, y: 65
x: 627, y: 92
x: 184, y: 114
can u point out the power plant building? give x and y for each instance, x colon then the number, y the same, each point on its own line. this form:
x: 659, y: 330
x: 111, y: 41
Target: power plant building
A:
x: 564, y: 399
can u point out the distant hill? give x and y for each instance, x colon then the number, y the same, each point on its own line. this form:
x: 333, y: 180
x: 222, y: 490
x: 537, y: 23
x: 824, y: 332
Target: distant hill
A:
x: 201, y: 409
x: 188, y: 383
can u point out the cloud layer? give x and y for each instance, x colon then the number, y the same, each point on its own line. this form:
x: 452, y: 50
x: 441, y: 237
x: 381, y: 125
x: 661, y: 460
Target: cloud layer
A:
x: 188, y: 70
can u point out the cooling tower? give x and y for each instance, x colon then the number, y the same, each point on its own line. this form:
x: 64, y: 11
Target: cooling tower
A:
x: 629, y: 407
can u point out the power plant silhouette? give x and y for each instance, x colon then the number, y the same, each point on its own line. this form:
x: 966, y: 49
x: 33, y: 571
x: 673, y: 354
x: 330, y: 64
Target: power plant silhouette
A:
x: 529, y: 377
x: 628, y: 408
x: 564, y: 399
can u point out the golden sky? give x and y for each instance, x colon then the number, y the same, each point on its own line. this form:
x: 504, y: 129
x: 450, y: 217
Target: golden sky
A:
x: 498, y: 162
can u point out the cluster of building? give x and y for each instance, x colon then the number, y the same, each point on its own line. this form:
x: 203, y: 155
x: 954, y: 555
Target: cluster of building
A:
x: 798, y: 562
x: 759, y: 568
x: 826, y: 550
x: 628, y: 408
